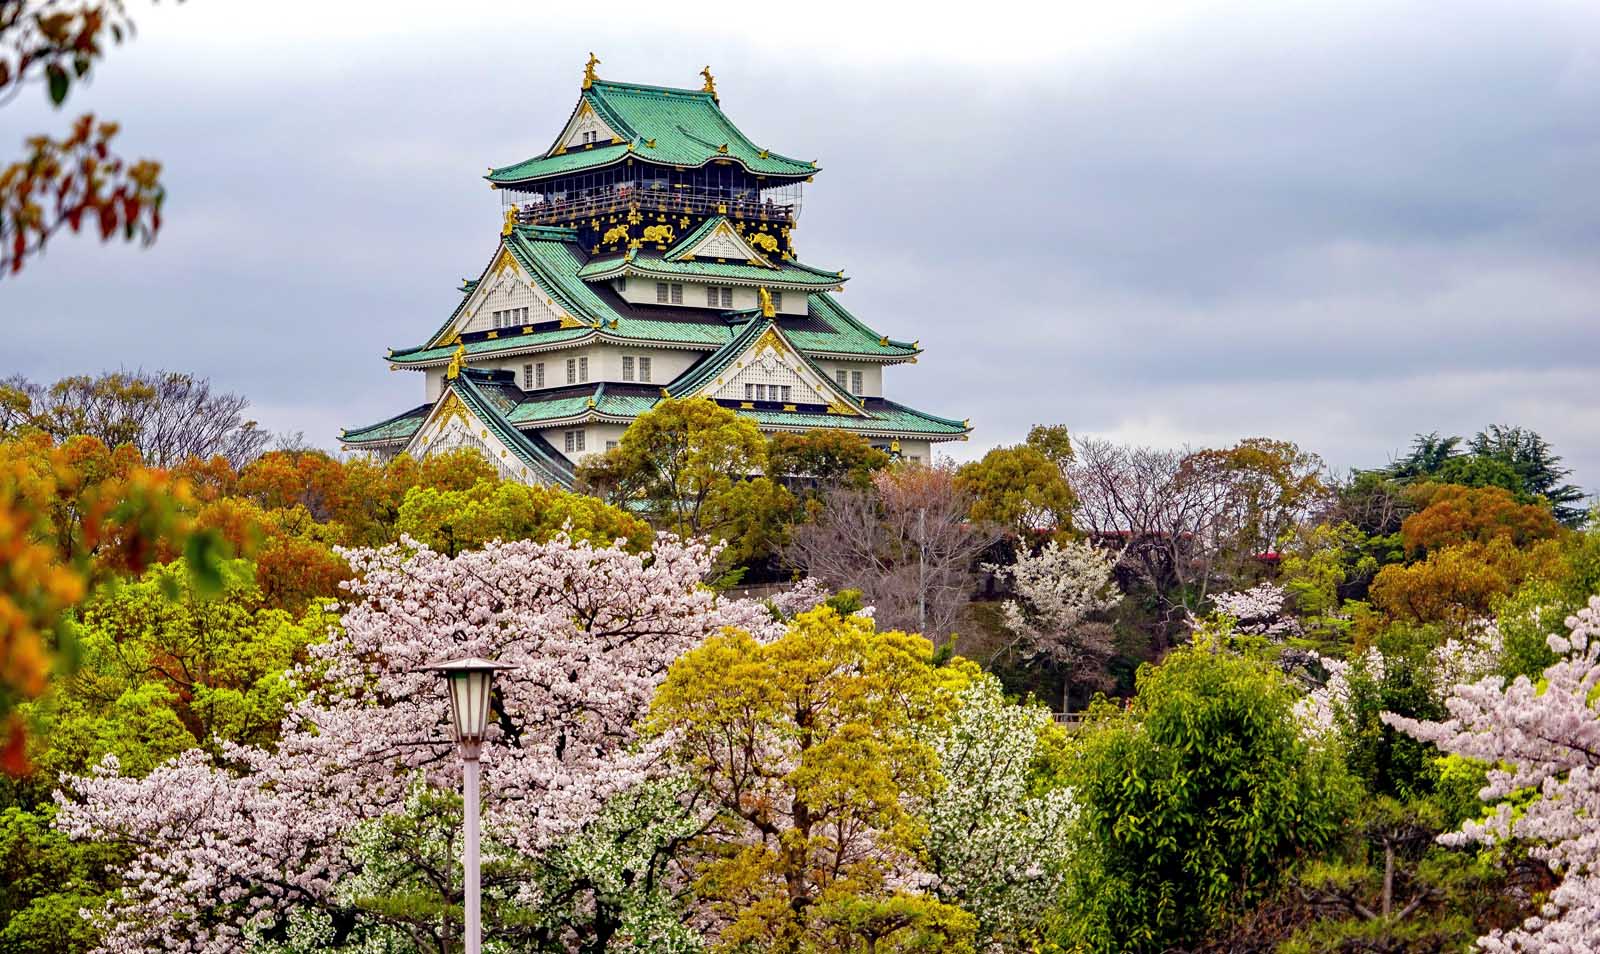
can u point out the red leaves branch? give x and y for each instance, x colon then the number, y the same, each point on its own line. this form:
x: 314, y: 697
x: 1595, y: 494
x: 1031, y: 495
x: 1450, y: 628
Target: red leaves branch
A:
x: 71, y: 182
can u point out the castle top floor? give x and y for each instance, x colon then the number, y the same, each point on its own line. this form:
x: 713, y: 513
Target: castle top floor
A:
x: 630, y: 146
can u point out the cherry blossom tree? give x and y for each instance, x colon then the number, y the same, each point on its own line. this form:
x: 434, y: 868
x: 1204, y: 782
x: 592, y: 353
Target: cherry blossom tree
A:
x: 1057, y: 589
x: 1259, y: 611
x: 1541, y: 741
x: 248, y: 846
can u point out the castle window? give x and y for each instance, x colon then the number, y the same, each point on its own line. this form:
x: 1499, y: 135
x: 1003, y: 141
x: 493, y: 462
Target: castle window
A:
x: 777, y: 299
x: 719, y: 297
x: 583, y: 369
x: 785, y: 389
x: 574, y: 441
x: 510, y: 317
x: 749, y: 392
x: 677, y: 294
x: 572, y: 370
x: 842, y: 377
x: 661, y: 293
x: 855, y: 383
x: 644, y: 369
x: 611, y: 445
x: 627, y: 367
x: 666, y: 293
x: 527, y: 377
x: 538, y: 375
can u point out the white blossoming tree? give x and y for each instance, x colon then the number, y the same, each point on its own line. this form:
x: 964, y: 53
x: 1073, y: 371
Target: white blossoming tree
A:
x: 1057, y: 589
x: 1259, y: 611
x: 997, y: 841
x: 1541, y: 741
x: 263, y: 846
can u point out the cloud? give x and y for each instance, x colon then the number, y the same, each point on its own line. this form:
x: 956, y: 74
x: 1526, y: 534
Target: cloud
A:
x: 1176, y: 223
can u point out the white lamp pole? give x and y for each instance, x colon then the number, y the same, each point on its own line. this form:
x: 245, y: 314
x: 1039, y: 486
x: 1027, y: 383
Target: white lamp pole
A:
x: 470, y: 681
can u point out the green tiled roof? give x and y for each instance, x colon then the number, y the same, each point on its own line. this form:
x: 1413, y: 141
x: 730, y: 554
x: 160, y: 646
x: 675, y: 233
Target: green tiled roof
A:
x: 490, y: 402
x: 557, y: 262
x: 887, y: 417
x: 396, y: 429
x: 490, y: 346
x: 573, y: 160
x: 782, y: 274
x: 830, y: 329
x: 687, y: 128
x: 694, y: 377
x: 681, y: 247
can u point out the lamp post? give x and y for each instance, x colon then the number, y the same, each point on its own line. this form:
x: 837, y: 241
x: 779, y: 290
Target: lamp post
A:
x: 469, y: 681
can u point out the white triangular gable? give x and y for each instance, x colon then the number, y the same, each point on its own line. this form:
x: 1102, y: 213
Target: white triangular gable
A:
x: 724, y: 242
x: 771, y: 362
x: 585, y: 128
x: 451, y: 425
x: 504, y: 287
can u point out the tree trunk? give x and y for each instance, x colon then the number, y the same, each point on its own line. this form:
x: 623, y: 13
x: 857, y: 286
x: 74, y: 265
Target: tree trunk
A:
x: 1388, y: 878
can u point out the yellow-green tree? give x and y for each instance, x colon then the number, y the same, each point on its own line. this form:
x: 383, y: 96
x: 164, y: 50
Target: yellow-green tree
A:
x: 455, y: 520
x: 1019, y: 488
x: 806, y: 746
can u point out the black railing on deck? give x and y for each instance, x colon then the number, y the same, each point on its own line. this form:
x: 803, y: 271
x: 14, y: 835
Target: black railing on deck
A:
x: 569, y: 208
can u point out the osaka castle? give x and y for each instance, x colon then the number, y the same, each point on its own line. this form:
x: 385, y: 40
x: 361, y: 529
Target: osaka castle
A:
x: 648, y: 253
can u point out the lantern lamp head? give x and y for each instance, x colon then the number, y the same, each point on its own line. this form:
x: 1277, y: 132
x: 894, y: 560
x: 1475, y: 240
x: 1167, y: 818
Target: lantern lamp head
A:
x: 469, y: 681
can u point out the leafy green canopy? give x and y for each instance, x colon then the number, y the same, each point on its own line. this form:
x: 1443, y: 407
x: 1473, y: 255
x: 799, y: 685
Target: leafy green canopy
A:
x: 1193, y: 803
x: 1516, y: 459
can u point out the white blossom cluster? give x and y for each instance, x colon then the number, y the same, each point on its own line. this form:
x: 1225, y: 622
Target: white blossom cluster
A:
x: 993, y: 848
x: 1057, y: 587
x: 1259, y: 611
x: 1540, y: 738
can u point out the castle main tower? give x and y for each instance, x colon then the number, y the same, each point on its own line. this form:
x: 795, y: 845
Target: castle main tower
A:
x: 647, y: 253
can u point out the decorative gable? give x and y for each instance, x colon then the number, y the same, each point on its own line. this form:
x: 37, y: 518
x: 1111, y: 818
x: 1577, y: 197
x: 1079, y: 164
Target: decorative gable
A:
x: 585, y: 128
x: 451, y: 425
x: 720, y: 242
x: 505, y: 288
x: 772, y: 370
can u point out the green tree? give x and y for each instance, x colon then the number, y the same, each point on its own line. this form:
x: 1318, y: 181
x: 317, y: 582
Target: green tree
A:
x: 45, y: 880
x: 822, y: 459
x: 690, y: 464
x: 167, y: 667
x: 1193, y: 803
x: 1515, y: 459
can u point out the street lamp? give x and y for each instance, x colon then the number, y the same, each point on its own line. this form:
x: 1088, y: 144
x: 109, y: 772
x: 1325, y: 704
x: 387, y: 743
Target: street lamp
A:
x: 469, y: 681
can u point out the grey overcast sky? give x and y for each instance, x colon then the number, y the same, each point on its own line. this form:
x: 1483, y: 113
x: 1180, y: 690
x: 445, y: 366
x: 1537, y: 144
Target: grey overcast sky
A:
x: 1338, y: 223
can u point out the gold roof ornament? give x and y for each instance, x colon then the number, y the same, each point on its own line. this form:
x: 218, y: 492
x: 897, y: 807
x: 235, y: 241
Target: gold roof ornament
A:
x: 767, y: 311
x: 711, y: 83
x: 588, y: 70
x: 453, y: 370
x: 510, y: 223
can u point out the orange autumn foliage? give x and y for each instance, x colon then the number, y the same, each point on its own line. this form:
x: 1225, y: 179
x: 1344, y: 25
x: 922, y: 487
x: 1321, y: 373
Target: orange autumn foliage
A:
x: 1458, y: 584
x: 72, y: 517
x: 1453, y: 515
